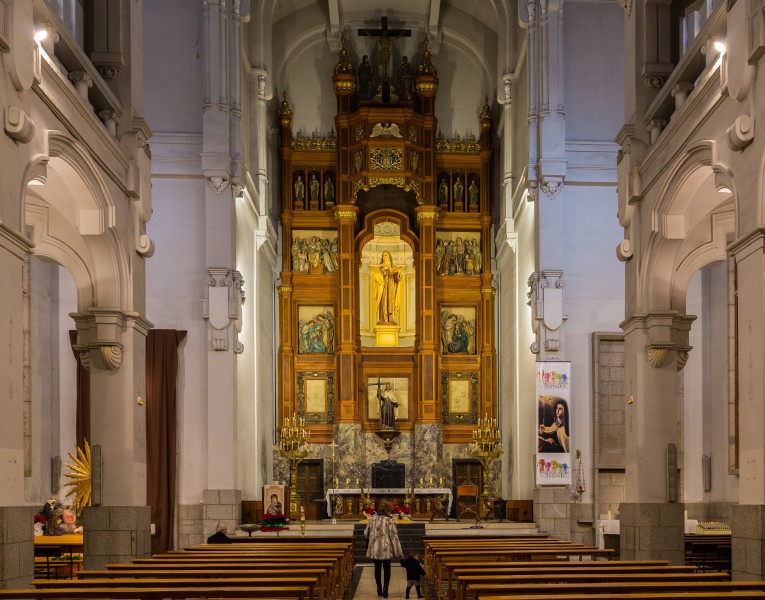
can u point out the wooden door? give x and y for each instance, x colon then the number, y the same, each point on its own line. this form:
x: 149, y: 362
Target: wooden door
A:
x: 310, y: 487
x: 465, y: 471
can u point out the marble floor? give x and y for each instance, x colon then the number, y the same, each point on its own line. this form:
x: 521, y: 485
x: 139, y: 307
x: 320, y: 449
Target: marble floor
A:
x: 367, y: 589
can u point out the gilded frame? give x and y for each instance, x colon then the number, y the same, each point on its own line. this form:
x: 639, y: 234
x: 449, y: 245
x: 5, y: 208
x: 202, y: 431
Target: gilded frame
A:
x: 459, y: 398
x: 316, y: 397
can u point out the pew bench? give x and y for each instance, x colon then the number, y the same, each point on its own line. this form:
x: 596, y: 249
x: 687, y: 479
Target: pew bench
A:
x: 253, y: 585
x: 741, y: 595
x: 468, y: 584
x: 295, y: 592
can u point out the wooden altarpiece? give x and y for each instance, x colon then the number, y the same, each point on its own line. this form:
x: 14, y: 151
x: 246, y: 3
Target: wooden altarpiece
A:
x: 386, y: 164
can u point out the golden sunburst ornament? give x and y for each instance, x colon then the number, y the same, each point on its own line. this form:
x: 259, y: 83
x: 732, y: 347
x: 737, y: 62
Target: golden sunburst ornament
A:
x: 80, y: 481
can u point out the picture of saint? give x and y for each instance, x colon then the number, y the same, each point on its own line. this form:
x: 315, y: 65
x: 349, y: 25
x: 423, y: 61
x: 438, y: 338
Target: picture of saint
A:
x: 555, y: 436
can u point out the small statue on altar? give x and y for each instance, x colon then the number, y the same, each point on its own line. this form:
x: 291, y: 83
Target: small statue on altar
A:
x: 339, y: 507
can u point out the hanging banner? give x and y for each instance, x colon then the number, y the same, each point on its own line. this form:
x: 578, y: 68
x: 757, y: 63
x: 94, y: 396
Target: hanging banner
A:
x: 553, y: 386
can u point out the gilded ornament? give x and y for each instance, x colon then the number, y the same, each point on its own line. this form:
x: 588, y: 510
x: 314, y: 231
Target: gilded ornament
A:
x: 386, y: 159
x: 359, y: 132
x: 344, y: 85
x: 458, y: 146
x: 343, y: 65
x: 413, y: 133
x: 315, y: 141
x: 426, y: 87
x: 80, y: 478
x: 284, y: 290
x: 345, y: 214
x: 357, y: 186
x: 427, y: 214
x: 426, y: 66
x: 489, y: 290
x: 486, y: 111
x: 285, y: 112
x: 397, y: 181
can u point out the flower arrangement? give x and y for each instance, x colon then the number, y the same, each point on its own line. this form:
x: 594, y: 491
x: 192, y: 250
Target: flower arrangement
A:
x: 276, y: 522
x: 40, y: 519
x: 369, y: 511
x: 401, y: 512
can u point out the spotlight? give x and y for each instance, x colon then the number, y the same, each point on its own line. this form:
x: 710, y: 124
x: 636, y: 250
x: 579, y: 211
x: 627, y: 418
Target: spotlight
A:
x: 40, y: 34
x: 720, y: 46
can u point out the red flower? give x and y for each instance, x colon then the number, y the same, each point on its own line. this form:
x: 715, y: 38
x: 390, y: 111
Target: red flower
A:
x: 401, y: 510
x: 40, y: 519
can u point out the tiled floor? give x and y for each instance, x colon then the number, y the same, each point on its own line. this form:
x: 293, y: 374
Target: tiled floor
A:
x: 367, y: 588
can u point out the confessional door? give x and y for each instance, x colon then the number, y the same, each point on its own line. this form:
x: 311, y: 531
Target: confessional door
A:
x: 310, y: 488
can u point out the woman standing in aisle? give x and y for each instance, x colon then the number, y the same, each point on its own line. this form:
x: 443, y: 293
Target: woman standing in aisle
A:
x: 383, y: 545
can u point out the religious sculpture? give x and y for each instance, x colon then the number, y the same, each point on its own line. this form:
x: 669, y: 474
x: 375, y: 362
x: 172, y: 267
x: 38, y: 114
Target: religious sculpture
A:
x: 414, y: 160
x: 358, y: 160
x: 457, y: 334
x: 473, y: 194
x: 299, y: 190
x: 317, y: 335
x: 314, y: 254
x: 443, y: 192
x: 329, y: 191
x: 388, y: 406
x: 458, y: 257
x: 405, y: 78
x: 365, y: 78
x: 314, y: 188
x: 459, y: 189
x: 386, y: 279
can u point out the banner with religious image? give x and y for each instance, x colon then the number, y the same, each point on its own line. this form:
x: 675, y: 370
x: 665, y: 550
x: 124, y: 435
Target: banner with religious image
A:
x: 553, y: 387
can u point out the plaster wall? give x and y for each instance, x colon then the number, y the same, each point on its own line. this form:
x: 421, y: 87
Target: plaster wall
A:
x: 695, y: 405
x: 594, y: 63
x: 595, y: 300
x: 67, y: 371
x: 173, y: 72
x: 176, y: 275
x: 43, y: 318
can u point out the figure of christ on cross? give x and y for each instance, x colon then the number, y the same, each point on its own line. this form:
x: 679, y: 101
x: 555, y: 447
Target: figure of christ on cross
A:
x: 383, y: 36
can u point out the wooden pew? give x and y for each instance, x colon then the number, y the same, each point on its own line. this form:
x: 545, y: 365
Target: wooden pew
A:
x: 454, y: 571
x: 323, y: 589
x: 253, y: 584
x: 749, y: 594
x: 563, y: 590
x: 295, y: 592
x: 332, y: 576
x: 468, y: 584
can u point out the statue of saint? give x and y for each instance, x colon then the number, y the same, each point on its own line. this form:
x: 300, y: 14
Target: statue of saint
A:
x: 329, y: 191
x: 443, y: 192
x: 314, y: 187
x: 405, y: 76
x: 299, y: 189
x: 365, y: 76
x: 473, y: 194
x: 388, y: 406
x: 386, y: 279
x: 459, y: 189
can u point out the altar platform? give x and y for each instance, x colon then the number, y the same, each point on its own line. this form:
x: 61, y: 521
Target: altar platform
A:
x: 345, y: 528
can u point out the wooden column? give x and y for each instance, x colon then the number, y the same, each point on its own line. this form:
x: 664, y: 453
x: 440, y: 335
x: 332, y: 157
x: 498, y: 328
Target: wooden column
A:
x: 488, y: 393
x: 287, y: 401
x: 345, y: 332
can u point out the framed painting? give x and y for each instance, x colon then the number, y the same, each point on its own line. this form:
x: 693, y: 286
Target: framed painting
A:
x: 276, y: 500
x: 380, y: 389
x: 316, y: 330
x: 459, y: 398
x: 316, y: 397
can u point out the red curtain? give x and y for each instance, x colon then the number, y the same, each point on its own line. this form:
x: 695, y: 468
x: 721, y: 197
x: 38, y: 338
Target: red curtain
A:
x: 161, y: 388
x: 82, y: 427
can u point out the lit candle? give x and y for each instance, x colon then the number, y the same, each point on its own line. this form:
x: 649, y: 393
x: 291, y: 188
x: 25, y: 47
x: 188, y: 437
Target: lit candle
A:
x: 440, y: 482
x: 347, y: 481
x: 302, y: 513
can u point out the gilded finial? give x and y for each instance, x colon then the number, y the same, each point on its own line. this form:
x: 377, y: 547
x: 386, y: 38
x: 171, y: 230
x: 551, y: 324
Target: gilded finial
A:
x: 426, y: 67
x: 343, y: 64
x: 485, y: 112
x: 285, y: 112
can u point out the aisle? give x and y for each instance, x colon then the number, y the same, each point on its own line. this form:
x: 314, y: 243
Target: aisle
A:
x: 367, y: 589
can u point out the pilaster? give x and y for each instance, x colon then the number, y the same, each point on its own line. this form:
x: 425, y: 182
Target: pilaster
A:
x: 652, y: 531
x: 427, y: 364
x: 345, y: 392
x: 115, y: 534
x: 16, y: 546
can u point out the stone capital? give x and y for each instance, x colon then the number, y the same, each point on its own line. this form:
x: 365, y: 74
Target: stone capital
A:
x: 222, y: 307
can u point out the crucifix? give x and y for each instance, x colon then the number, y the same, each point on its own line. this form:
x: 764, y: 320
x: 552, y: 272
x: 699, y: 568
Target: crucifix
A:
x: 383, y: 36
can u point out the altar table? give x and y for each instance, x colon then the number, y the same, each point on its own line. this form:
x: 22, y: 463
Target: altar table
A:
x: 377, y: 492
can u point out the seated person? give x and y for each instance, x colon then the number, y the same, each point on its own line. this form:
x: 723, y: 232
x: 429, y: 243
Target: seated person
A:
x: 219, y: 537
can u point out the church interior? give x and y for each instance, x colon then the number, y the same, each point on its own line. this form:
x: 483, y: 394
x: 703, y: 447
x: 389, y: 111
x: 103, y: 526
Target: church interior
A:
x: 323, y: 253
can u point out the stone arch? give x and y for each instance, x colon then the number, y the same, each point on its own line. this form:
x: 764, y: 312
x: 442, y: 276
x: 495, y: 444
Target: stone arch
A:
x: 72, y: 217
x: 692, y: 219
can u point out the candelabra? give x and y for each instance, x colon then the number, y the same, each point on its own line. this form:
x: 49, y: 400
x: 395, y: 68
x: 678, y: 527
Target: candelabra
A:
x: 486, y: 447
x: 293, y: 437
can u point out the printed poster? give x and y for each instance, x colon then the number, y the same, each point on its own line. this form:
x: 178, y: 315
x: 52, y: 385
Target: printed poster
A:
x: 553, y: 388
